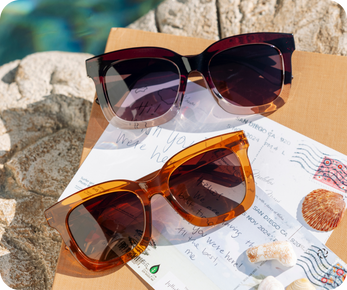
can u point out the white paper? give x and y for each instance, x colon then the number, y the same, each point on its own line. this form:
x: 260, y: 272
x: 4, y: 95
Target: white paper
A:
x: 286, y: 165
x: 215, y: 258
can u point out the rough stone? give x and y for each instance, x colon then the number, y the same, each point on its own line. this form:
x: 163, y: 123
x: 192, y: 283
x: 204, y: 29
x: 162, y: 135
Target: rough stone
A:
x: 45, y: 103
x: 7, y: 211
x: 42, y: 74
x: 29, y: 246
x: 32, y: 167
x: 196, y: 18
x: 317, y: 25
x: 146, y: 22
x: 40, y: 95
x: 20, y: 127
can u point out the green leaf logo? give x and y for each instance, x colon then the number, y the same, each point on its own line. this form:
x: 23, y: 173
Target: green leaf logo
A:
x: 154, y: 269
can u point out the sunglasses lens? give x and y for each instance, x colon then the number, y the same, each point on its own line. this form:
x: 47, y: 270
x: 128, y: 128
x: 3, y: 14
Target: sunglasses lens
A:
x: 142, y: 89
x: 248, y: 75
x: 210, y: 184
x: 108, y: 226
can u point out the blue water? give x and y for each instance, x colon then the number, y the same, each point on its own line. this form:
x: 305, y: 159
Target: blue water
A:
x: 28, y: 26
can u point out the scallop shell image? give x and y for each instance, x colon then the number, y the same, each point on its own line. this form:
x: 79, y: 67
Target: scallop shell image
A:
x: 323, y: 210
x: 270, y: 283
x: 301, y: 284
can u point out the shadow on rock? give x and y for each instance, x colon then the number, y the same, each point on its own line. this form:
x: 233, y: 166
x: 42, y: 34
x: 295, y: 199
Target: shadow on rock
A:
x: 40, y: 153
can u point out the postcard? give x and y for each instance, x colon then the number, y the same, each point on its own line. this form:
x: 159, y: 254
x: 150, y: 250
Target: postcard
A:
x: 287, y: 166
x: 184, y: 256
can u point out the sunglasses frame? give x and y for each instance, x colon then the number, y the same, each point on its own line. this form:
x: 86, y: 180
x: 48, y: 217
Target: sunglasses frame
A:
x: 57, y: 215
x: 98, y: 66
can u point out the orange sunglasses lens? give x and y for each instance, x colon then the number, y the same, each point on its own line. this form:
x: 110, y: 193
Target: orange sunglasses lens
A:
x: 210, y: 184
x: 108, y: 226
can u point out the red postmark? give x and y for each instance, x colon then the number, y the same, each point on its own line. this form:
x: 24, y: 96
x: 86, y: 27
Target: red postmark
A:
x: 333, y: 173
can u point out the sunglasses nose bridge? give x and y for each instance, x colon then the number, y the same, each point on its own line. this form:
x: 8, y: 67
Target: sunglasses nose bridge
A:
x: 152, y: 187
x: 196, y: 63
x: 199, y: 69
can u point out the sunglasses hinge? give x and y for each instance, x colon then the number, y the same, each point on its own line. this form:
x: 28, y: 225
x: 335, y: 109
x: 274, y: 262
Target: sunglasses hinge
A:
x: 241, y: 141
x: 49, y: 218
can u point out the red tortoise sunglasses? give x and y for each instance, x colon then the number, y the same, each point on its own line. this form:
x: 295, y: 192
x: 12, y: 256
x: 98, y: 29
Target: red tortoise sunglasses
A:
x: 144, y: 86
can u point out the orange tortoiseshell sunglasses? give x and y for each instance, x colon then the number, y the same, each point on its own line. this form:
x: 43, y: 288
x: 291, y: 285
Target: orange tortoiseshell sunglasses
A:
x: 109, y: 224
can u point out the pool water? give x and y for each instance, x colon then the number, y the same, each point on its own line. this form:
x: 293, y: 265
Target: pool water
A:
x: 28, y: 26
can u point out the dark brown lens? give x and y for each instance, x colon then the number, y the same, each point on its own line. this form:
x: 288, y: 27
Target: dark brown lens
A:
x: 142, y: 89
x: 210, y: 184
x: 108, y: 226
x: 248, y: 75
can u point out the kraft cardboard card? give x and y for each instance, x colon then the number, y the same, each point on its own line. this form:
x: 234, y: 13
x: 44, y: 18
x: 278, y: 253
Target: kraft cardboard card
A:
x: 307, y: 100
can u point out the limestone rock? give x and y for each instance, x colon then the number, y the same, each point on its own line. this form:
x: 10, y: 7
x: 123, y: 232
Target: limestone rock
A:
x: 33, y: 167
x: 196, y: 18
x: 317, y: 25
x: 45, y: 103
x: 9, y: 93
x: 7, y: 211
x: 29, y: 247
x: 42, y: 74
x: 146, y: 22
x: 20, y: 127
x: 41, y: 94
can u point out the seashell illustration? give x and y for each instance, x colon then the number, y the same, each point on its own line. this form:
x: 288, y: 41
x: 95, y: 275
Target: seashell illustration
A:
x: 301, y: 284
x: 323, y: 210
x: 270, y: 283
x: 279, y: 250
